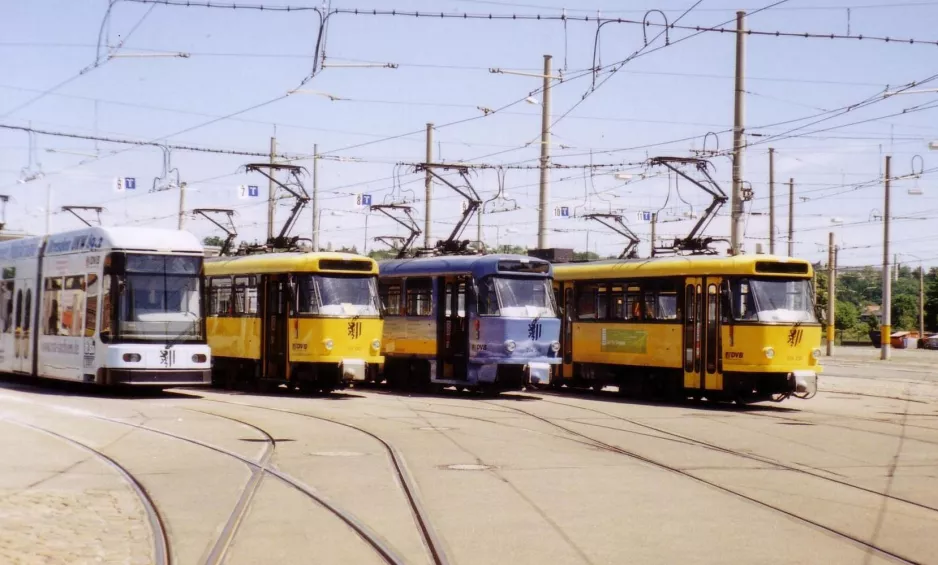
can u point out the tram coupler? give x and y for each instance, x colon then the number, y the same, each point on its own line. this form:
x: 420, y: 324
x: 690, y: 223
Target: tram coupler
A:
x: 803, y: 383
x: 353, y: 370
x: 537, y: 374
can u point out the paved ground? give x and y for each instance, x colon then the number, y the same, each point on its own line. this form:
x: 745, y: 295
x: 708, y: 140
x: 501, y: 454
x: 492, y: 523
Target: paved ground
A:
x: 850, y: 476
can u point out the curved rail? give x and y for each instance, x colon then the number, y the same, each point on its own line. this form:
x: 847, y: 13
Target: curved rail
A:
x: 430, y: 538
x: 364, y: 532
x: 161, y: 552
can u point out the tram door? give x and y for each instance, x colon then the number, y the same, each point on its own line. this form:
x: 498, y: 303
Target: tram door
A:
x: 567, y: 329
x: 23, y: 331
x: 453, y: 327
x: 275, y: 365
x: 703, y: 368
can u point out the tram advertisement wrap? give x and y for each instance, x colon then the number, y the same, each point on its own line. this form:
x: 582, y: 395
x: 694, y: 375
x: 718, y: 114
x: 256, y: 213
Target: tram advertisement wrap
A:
x: 624, y: 341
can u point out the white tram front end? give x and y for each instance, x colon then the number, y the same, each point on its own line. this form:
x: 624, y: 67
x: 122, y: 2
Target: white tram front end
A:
x: 110, y: 306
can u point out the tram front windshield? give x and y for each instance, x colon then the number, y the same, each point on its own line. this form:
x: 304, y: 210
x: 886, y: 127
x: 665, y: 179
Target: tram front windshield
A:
x: 330, y: 295
x: 516, y: 297
x: 158, y: 299
x: 773, y: 300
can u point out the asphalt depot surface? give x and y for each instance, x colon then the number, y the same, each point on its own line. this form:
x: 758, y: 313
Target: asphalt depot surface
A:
x: 370, y: 476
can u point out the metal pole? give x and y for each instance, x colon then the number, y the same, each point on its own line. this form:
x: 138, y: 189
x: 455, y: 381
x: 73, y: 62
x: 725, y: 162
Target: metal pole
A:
x: 182, y: 205
x: 544, y: 196
x: 479, y: 232
x: 737, y: 217
x: 654, y: 224
x: 831, y: 294
x: 791, y: 217
x: 271, y: 192
x: 886, y: 326
x: 49, y: 209
x: 771, y: 201
x: 316, y: 218
x: 428, y: 188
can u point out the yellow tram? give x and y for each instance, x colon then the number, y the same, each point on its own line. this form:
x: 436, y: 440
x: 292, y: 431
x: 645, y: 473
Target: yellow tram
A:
x: 310, y: 320
x: 738, y: 328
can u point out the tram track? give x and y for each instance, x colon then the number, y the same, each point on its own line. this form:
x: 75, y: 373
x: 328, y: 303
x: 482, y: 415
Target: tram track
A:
x: 430, y: 538
x: 161, y: 547
x: 741, y: 454
x: 259, y: 469
x: 869, y: 546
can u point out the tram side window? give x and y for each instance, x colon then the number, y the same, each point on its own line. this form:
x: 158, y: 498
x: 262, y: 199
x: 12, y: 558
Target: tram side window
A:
x: 51, y: 301
x: 592, y: 302
x: 661, y: 301
x: 219, y: 303
x: 390, y: 298
x: 419, y: 295
x: 245, y: 295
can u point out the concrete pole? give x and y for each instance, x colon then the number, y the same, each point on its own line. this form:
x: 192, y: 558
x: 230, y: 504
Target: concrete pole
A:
x: 182, y: 205
x: 921, y: 301
x: 831, y: 294
x: 271, y: 192
x: 365, y: 245
x: 737, y: 217
x: 886, y: 326
x: 654, y: 225
x: 481, y: 247
x: 316, y: 218
x: 428, y: 189
x: 771, y: 201
x: 791, y: 217
x: 544, y: 196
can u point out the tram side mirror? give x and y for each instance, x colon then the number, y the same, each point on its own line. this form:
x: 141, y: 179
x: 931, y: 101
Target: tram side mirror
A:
x: 121, y: 287
x: 819, y: 313
x: 726, y: 299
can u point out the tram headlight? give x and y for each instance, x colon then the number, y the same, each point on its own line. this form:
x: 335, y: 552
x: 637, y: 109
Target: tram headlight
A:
x: 555, y: 346
x: 328, y: 344
x: 132, y: 357
x: 376, y: 344
x: 510, y: 345
x: 769, y: 352
x: 816, y: 353
x: 199, y: 358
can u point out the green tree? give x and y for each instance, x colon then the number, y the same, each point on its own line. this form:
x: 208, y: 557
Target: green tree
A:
x: 846, y: 316
x: 905, y: 311
x: 214, y: 240
x: 382, y: 254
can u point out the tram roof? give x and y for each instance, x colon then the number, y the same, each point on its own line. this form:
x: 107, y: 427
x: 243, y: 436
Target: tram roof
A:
x: 477, y: 265
x: 292, y: 262
x: 99, y: 238
x: 694, y: 265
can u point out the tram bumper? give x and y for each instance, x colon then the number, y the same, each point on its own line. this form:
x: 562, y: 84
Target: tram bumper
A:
x: 803, y: 384
x: 537, y: 373
x: 153, y: 377
x: 353, y: 370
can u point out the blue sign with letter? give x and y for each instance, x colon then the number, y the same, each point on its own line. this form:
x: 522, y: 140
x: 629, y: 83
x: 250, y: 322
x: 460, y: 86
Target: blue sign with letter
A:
x: 130, y: 183
x: 253, y: 190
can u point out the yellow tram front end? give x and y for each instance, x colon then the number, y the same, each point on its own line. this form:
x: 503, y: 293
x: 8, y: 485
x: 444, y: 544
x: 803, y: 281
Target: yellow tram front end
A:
x: 723, y: 328
x: 770, y: 334
x: 309, y: 320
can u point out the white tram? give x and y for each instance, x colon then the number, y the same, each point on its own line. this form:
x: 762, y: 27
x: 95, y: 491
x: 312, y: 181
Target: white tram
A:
x: 104, y: 305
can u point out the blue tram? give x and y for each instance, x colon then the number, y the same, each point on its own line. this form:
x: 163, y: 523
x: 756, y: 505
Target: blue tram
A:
x: 480, y: 322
